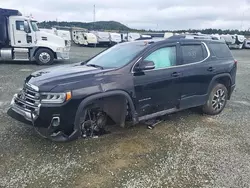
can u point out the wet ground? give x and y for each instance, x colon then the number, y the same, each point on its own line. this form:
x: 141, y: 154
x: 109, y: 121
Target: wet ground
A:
x: 187, y: 150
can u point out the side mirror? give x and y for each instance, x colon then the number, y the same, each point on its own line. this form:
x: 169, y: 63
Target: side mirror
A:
x: 26, y: 27
x: 145, y: 65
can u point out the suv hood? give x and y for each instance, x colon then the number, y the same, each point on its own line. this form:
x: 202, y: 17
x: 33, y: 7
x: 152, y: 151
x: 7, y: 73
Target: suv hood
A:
x: 47, y: 79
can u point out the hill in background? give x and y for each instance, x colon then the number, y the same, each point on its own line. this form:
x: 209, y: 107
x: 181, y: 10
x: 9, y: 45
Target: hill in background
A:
x: 117, y: 26
x: 100, y: 25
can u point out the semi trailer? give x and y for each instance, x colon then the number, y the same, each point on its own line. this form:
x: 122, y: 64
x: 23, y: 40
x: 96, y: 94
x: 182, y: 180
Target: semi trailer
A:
x: 21, y: 40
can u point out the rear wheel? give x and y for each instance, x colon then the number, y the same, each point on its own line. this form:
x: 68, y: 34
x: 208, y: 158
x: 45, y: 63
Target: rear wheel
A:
x: 217, y: 100
x: 44, y: 57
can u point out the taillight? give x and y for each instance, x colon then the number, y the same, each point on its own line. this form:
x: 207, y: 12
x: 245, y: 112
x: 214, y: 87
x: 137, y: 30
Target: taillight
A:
x: 235, y: 61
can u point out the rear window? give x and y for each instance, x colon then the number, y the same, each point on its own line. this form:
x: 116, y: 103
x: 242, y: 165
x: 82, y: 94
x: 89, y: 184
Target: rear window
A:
x: 193, y: 53
x: 220, y: 50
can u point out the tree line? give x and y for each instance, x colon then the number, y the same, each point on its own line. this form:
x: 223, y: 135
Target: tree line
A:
x: 113, y: 25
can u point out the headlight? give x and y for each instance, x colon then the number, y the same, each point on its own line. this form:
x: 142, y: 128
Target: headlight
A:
x: 55, y: 98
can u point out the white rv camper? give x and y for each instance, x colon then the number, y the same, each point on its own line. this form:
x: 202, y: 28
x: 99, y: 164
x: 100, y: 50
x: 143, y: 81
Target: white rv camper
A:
x: 133, y: 36
x: 247, y: 44
x: 76, y: 35
x: 168, y: 34
x: 81, y: 37
x: 103, y: 38
x: 129, y: 37
x: 234, y: 41
x: 90, y: 39
x: 115, y: 38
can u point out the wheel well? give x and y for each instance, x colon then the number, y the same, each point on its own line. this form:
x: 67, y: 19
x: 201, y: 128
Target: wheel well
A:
x: 116, y: 107
x: 226, y: 81
x: 55, y: 56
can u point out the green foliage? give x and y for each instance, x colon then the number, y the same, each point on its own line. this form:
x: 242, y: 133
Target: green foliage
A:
x: 101, y: 25
x: 113, y: 25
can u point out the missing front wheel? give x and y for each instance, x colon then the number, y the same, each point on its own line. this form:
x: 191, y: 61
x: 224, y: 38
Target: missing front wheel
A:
x: 94, y: 123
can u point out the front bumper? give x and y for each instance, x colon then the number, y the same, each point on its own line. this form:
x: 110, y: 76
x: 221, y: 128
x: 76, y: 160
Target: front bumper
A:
x: 62, y: 55
x: 42, y: 120
x: 22, y: 112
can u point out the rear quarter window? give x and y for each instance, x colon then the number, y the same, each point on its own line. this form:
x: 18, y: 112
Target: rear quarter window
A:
x: 220, y: 50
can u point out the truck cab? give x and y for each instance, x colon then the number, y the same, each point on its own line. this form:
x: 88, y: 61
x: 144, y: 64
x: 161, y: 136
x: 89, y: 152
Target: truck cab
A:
x: 21, y: 40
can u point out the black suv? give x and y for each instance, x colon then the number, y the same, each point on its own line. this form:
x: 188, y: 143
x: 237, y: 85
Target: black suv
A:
x: 133, y: 81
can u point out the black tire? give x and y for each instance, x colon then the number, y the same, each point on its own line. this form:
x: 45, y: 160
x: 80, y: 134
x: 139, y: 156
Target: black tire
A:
x: 217, y: 100
x: 44, y: 57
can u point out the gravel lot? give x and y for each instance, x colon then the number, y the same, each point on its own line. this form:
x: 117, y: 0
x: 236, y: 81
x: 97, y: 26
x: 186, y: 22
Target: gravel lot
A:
x: 187, y: 150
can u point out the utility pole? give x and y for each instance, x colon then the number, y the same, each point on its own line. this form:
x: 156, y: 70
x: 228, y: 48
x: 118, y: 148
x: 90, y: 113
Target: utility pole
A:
x: 94, y: 14
x: 94, y: 20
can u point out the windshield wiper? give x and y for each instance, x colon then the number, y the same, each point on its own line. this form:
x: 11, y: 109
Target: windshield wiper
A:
x: 93, y: 65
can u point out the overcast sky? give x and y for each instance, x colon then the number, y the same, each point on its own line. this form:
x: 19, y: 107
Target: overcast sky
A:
x: 142, y: 14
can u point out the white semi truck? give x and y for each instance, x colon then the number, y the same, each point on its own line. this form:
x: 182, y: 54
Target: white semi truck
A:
x: 21, y: 40
x: 65, y: 34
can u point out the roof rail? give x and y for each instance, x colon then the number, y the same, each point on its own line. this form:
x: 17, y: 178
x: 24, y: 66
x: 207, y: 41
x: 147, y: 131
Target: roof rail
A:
x: 194, y: 36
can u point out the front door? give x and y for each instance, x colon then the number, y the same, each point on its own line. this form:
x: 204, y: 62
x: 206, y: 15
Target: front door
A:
x: 20, y: 35
x: 158, y: 89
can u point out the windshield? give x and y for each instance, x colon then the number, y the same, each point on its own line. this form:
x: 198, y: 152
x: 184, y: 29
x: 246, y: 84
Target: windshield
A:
x: 118, y: 55
x: 34, y: 26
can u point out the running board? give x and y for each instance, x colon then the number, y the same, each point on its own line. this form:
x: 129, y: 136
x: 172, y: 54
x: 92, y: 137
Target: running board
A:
x: 158, y: 114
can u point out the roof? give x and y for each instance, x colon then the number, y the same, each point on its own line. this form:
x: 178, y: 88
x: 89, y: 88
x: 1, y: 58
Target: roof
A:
x: 195, y: 37
x: 9, y: 12
x: 175, y: 39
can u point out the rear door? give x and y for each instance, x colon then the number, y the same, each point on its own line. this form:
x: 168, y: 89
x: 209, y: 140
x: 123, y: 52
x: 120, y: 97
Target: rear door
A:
x: 198, y: 71
x: 158, y: 89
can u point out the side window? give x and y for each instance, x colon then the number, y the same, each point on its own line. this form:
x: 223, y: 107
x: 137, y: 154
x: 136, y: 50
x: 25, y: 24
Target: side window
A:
x: 193, y: 53
x: 20, y: 25
x: 163, y: 57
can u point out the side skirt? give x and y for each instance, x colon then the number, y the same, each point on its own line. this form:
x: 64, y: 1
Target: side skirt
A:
x: 158, y: 114
x: 185, y: 103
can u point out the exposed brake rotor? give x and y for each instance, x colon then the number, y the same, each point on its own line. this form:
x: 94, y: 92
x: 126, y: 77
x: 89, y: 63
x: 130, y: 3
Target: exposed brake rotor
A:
x: 94, y: 124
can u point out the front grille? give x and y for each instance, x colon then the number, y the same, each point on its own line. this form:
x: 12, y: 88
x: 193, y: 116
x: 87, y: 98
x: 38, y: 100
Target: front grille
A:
x: 28, y: 99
